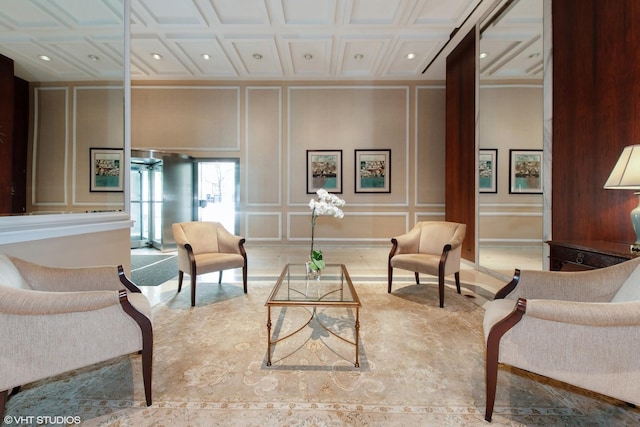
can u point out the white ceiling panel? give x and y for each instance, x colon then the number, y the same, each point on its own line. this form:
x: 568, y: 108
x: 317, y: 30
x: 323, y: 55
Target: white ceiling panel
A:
x: 262, y: 39
x: 360, y: 58
x: 217, y: 63
x: 259, y: 56
x: 241, y: 12
x: 307, y: 12
x: 367, y: 12
x: 171, y: 12
x: 310, y: 57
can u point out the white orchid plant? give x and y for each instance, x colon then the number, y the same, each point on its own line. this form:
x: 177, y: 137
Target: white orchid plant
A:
x: 326, y: 204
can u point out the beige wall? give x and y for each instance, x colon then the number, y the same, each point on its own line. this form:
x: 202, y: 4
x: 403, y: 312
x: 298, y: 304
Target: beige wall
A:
x: 270, y: 127
x: 511, y: 117
x: 69, y: 119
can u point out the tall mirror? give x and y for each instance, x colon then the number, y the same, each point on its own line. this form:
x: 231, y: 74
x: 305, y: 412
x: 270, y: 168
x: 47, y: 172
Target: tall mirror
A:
x: 67, y: 112
x: 510, y: 138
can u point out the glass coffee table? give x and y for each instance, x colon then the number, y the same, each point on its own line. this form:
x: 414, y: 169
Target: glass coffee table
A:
x: 333, y: 289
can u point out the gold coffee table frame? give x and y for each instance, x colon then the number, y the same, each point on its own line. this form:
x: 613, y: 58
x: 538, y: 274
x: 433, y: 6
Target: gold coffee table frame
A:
x: 333, y: 290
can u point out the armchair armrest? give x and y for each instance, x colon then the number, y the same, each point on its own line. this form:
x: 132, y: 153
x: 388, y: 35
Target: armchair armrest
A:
x: 34, y: 303
x: 230, y: 243
x: 44, y: 278
x: 588, y: 286
x: 406, y: 243
x: 456, y: 239
x: 586, y: 313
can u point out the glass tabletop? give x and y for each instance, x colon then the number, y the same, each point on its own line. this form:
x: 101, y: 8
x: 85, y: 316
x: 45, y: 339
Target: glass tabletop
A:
x: 333, y: 287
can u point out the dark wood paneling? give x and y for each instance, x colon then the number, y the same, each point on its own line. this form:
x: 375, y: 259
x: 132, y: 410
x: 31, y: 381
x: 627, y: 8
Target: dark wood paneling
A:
x: 6, y: 128
x: 460, y: 195
x: 596, y: 113
x: 20, y: 142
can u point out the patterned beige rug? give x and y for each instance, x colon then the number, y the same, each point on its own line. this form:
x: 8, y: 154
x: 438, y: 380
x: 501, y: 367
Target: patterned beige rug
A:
x: 419, y: 366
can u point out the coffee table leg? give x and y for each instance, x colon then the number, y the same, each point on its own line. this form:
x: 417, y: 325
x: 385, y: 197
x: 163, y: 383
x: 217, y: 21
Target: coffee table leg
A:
x: 268, y: 336
x: 357, y: 364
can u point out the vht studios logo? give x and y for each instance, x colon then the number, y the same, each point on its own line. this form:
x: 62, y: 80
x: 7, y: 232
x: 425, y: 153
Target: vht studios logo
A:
x: 42, y: 419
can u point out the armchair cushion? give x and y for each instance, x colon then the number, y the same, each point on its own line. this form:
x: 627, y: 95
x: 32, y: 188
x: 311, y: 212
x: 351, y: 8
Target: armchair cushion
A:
x: 630, y: 289
x: 9, y: 274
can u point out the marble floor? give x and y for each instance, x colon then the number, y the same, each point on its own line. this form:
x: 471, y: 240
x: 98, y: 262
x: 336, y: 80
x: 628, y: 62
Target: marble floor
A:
x: 369, y: 264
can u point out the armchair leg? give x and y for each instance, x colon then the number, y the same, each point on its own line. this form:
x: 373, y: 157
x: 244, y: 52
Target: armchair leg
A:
x: 193, y: 290
x: 389, y: 277
x: 441, y: 287
x: 417, y: 277
x: 220, y: 277
x: 491, y: 372
x: 180, y: 277
x: 244, y: 278
x: 457, y: 275
x: 147, y: 364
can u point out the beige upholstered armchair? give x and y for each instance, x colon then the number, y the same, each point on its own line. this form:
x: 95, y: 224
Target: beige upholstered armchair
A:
x: 54, y: 320
x: 206, y: 247
x: 430, y: 247
x: 581, y: 328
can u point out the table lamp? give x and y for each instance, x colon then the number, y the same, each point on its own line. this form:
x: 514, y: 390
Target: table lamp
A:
x: 626, y: 176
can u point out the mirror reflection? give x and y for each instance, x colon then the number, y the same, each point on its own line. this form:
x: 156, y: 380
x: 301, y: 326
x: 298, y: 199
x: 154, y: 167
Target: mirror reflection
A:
x: 62, y: 108
x: 511, y: 138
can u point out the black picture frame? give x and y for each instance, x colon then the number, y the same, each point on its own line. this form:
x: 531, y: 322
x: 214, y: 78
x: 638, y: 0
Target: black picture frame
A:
x: 324, y: 170
x: 372, y: 170
x: 525, y: 171
x: 488, y: 170
x: 106, y: 171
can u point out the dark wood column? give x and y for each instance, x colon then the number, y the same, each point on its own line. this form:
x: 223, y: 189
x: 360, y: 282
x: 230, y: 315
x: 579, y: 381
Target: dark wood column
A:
x: 596, y: 113
x: 461, y: 141
x: 6, y: 132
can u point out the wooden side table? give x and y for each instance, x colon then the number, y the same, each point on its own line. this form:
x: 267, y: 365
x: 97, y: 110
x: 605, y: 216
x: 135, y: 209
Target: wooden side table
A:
x: 575, y: 255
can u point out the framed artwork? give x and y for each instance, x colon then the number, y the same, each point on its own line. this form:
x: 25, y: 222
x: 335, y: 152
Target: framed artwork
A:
x: 373, y: 171
x: 105, y: 170
x: 488, y: 170
x: 525, y: 171
x: 324, y: 170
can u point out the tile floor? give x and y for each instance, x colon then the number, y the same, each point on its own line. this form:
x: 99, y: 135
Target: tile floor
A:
x: 369, y: 264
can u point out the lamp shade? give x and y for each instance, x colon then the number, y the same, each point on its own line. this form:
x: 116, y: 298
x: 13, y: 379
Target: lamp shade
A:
x: 626, y: 173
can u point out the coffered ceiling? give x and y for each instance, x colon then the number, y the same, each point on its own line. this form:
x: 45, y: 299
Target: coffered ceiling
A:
x: 263, y: 39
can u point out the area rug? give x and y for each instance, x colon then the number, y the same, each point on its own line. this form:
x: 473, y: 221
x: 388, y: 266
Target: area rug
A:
x: 420, y: 365
x: 153, y: 270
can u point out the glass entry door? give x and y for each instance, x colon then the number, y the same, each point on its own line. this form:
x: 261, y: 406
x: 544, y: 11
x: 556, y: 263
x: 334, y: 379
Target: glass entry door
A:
x: 218, y: 195
x: 146, y: 204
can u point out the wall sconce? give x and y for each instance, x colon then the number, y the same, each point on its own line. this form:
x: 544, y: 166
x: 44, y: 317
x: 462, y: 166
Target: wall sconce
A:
x: 626, y: 176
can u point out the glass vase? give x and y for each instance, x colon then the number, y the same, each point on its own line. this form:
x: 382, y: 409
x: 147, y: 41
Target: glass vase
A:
x: 312, y: 274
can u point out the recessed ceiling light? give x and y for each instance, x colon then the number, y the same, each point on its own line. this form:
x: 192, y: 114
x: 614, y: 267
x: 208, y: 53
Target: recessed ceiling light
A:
x: 358, y: 56
x: 483, y: 55
x: 411, y: 55
x: 206, y: 56
x: 44, y: 57
x: 257, y: 56
x: 156, y: 56
x: 94, y: 58
x: 308, y: 56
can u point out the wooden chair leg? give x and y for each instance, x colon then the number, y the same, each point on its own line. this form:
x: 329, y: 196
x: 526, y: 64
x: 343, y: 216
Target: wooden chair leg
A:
x: 220, y: 277
x: 193, y: 290
x: 244, y: 278
x: 491, y: 379
x: 147, y: 365
x: 457, y: 275
x: 389, y: 277
x: 180, y: 277
x: 441, y: 288
x: 417, y: 277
